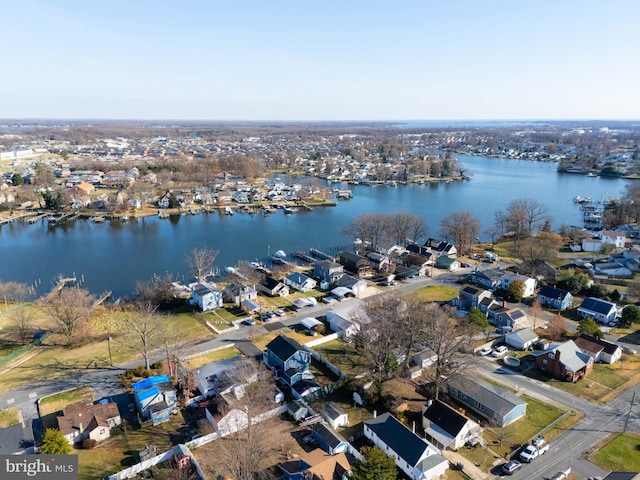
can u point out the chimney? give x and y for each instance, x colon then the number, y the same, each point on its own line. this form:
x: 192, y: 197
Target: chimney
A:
x: 504, y: 303
x: 413, y: 428
x: 375, y: 414
x: 80, y: 427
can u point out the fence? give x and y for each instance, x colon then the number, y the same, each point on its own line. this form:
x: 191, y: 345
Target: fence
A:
x: 321, y: 340
x: 21, y: 350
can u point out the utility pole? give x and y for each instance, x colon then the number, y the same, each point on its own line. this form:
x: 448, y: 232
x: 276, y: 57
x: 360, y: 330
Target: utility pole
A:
x: 109, y: 345
x: 626, y: 422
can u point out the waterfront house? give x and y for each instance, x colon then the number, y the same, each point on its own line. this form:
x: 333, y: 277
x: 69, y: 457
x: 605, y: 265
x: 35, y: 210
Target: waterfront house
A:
x: 614, y: 238
x: 316, y: 465
x: 602, y: 311
x: 355, y: 264
x: 273, y: 287
x: 497, y: 405
x: 598, y: 349
x: 82, y: 420
x: 416, y: 457
x: 155, y: 398
x: 379, y: 261
x: 206, y: 297
x: 555, y: 298
x: 165, y: 201
x: 328, y: 439
x: 415, y: 264
x: 522, y: 339
x: 300, y: 282
x: 328, y: 271
x: 237, y: 293
x: 446, y: 427
x: 564, y: 361
x: 440, y: 247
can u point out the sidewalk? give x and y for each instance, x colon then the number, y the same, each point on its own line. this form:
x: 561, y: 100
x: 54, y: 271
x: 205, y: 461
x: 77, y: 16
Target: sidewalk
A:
x: 468, y: 467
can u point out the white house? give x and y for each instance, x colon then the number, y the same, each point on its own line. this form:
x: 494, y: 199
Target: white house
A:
x: 521, y: 339
x: 206, y: 297
x: 448, y: 428
x: 529, y: 283
x: 342, y: 326
x: 602, y: 311
x: 300, y: 282
x: 598, y: 349
x: 613, y: 238
x: 416, y: 457
x: 335, y: 416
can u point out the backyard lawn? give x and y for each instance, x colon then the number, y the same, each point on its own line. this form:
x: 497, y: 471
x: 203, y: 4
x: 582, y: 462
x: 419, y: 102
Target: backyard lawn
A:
x: 216, y: 356
x: 343, y: 356
x: 56, y: 402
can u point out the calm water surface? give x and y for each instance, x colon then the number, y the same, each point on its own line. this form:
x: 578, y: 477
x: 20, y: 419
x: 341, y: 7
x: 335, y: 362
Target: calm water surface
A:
x: 113, y: 256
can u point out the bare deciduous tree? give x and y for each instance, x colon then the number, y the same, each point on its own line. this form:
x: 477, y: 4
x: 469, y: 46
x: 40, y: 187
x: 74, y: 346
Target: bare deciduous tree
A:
x: 371, y: 228
x: 200, y: 261
x: 447, y: 337
x: 14, y: 291
x: 244, y: 451
x: 68, y: 308
x: 462, y: 228
x: 405, y: 226
x: 21, y: 326
x: 525, y: 215
x: 143, y: 327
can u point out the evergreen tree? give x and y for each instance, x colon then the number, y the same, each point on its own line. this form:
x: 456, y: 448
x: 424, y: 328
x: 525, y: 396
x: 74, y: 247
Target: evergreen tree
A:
x: 377, y: 465
x: 589, y: 327
x: 54, y: 443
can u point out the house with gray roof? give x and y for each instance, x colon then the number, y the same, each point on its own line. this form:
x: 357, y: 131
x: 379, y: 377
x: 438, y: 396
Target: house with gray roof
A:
x: 602, y: 311
x: 490, y: 278
x: 470, y: 296
x: 328, y: 271
x: 334, y: 415
x: 564, y: 361
x: 497, y: 405
x: 328, y: 439
x: 521, y: 339
x: 300, y: 282
x: 213, y: 377
x: 206, y: 297
x: 416, y: 457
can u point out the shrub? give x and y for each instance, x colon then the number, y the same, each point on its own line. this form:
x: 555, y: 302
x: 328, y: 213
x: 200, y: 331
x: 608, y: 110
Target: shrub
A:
x: 89, y: 443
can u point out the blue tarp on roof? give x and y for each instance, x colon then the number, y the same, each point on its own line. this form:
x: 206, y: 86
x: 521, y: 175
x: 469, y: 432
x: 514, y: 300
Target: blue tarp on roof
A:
x: 146, y: 394
x: 149, y: 382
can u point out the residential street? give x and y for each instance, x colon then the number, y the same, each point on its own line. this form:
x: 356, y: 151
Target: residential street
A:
x: 566, y: 451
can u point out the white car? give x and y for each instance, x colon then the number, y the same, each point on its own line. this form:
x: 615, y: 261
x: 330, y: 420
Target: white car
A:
x: 498, y: 352
x: 484, y: 351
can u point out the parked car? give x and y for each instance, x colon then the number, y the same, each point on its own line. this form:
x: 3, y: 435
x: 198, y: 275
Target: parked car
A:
x: 502, y: 330
x: 249, y: 321
x: 562, y: 475
x: 499, y: 351
x: 510, y: 467
x: 279, y: 312
x: 484, y: 351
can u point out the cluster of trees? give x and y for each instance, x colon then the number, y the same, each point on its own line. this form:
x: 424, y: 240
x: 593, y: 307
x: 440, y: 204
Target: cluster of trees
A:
x: 394, y: 325
x: 382, y: 230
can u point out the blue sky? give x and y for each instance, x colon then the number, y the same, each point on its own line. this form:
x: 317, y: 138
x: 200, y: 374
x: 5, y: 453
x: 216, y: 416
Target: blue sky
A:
x: 326, y: 60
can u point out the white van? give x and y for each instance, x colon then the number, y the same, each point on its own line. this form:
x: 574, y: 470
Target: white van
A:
x: 499, y: 351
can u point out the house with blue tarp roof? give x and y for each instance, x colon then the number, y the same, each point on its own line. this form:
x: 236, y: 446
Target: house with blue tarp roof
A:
x: 155, y: 398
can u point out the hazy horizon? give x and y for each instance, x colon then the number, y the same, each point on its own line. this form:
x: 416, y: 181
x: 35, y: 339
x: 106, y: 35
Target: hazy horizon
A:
x: 331, y: 61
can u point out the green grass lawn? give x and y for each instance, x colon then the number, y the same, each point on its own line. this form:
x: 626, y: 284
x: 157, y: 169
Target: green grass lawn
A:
x: 342, y: 355
x: 621, y: 453
x: 58, y: 401
x: 216, y: 356
x: 539, y: 416
x: 440, y: 293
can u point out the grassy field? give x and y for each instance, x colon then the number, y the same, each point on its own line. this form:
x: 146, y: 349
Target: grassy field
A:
x: 620, y: 452
x: 262, y: 340
x: 58, y: 401
x: 434, y: 294
x: 9, y: 417
x: 218, y: 355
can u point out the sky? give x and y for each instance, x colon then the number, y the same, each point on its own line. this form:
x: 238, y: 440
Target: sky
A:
x: 323, y: 60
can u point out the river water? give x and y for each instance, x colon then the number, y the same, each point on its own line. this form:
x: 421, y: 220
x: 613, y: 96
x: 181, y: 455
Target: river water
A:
x: 114, y: 256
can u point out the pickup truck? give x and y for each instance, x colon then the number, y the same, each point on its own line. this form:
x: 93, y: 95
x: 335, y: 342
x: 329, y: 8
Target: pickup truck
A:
x: 538, y: 447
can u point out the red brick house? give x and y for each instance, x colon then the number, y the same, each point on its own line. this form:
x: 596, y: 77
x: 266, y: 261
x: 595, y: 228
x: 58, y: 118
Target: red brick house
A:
x: 565, y: 361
